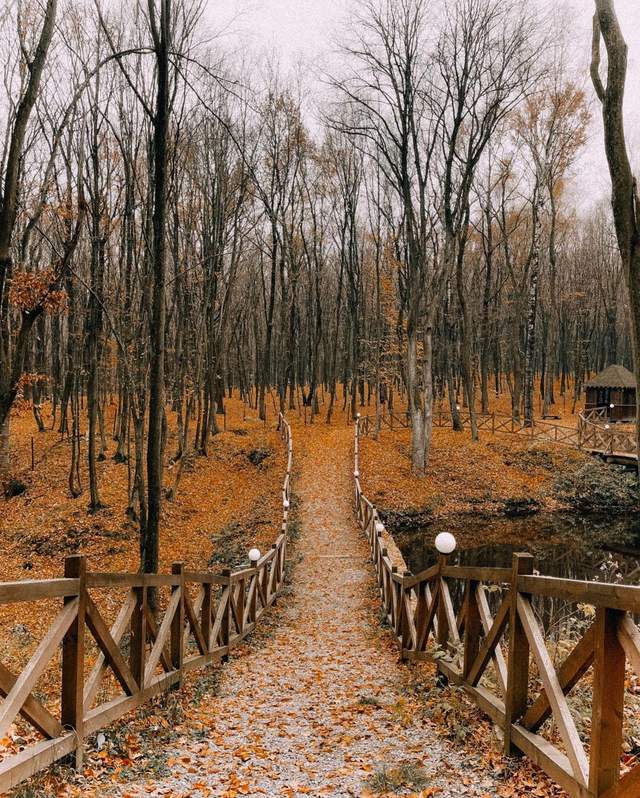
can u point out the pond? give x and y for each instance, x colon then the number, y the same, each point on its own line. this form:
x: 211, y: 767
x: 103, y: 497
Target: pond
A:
x: 564, y: 545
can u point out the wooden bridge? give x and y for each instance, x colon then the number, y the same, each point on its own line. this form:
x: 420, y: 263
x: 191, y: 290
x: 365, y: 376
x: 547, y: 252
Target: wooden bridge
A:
x: 593, y: 434
x: 456, y: 629
x: 201, y: 618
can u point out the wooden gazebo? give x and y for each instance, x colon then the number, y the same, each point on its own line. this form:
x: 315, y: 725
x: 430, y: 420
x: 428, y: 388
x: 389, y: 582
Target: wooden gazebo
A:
x: 614, y: 392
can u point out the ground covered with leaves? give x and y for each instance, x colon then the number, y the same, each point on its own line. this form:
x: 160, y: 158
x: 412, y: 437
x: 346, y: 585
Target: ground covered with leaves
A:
x: 500, y: 474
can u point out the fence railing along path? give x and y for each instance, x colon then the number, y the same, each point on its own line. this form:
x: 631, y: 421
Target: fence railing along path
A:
x: 201, y: 617
x: 501, y: 659
x: 592, y: 434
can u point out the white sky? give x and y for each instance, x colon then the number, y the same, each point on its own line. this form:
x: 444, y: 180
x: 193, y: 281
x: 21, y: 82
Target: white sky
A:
x: 302, y: 35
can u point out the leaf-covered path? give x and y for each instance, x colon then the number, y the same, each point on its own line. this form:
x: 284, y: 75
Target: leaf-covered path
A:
x: 321, y: 706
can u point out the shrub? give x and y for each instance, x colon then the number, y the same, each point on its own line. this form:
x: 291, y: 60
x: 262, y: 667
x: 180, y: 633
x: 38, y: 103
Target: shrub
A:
x: 597, y: 487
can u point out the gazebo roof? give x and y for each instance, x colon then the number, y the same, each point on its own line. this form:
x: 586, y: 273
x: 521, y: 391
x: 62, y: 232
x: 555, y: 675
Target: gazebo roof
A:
x: 613, y: 377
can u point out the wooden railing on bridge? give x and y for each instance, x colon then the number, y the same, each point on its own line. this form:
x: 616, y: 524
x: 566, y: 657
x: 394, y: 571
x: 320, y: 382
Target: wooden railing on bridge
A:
x: 458, y: 631
x: 599, y: 436
x: 202, y: 617
x: 592, y: 433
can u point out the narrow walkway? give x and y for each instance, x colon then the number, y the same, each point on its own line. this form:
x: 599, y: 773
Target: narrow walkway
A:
x: 321, y: 707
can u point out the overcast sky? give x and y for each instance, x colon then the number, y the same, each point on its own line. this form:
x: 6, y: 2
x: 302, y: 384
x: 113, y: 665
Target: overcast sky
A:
x: 303, y: 33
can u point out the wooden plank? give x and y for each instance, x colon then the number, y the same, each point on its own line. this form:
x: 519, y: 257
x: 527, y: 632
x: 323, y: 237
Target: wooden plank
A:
x: 176, y: 627
x: 73, y: 649
x: 472, y: 627
x: 138, y: 647
x: 109, y: 649
x: 600, y: 594
x: 548, y: 758
x: 571, y: 671
x: 629, y: 637
x: 561, y: 714
x: 36, y: 665
x: 116, y: 632
x: 608, y: 702
x: 152, y: 634
x: 130, y: 580
x: 492, y: 637
x: 32, y: 710
x: 445, y: 600
x: 221, y: 609
x: 497, y: 575
x: 33, y: 759
x: 499, y: 662
x: 34, y: 590
x: 103, y: 715
x: 518, y: 666
x: 162, y: 637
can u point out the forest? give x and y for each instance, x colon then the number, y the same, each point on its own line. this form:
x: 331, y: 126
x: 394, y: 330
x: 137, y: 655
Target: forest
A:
x: 194, y: 238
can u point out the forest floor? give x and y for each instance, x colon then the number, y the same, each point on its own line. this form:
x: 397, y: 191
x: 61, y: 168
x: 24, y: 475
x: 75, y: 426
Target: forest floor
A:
x: 317, y: 702
x: 494, y: 476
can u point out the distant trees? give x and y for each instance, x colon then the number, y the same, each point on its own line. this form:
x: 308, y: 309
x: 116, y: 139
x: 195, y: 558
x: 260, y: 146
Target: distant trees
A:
x: 173, y: 228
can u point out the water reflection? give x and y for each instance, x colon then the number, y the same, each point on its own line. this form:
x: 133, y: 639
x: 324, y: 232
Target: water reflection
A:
x: 571, y: 547
x: 598, y: 549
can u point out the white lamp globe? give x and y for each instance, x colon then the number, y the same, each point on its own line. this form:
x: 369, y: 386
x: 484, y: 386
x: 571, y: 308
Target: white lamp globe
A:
x: 254, y: 555
x: 357, y: 415
x: 285, y: 504
x: 356, y: 474
x: 611, y: 405
x: 445, y: 543
x: 379, y: 527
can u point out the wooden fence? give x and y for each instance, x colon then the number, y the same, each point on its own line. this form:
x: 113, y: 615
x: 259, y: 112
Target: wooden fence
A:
x: 200, y: 620
x: 520, y: 687
x: 600, y: 437
x: 591, y: 434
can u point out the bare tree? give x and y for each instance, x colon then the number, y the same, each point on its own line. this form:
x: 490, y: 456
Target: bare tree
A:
x: 624, y: 193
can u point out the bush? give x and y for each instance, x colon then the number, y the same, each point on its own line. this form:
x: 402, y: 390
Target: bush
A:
x: 596, y: 487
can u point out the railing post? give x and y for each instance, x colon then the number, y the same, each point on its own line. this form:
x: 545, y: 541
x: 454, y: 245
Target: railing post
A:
x: 72, y: 699
x: 177, y: 623
x: 518, y: 667
x: 608, y: 702
x: 138, y: 652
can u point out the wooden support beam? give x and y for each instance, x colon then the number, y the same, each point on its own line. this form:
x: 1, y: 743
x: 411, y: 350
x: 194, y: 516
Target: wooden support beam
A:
x: 73, y: 645
x: 608, y: 702
x: 518, y: 666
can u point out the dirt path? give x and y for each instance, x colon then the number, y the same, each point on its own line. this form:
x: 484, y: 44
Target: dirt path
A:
x: 321, y: 706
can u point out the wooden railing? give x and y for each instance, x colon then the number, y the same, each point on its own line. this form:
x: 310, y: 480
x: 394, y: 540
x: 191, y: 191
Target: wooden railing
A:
x: 519, y: 687
x: 597, y: 435
x: 198, y: 619
x: 493, y: 422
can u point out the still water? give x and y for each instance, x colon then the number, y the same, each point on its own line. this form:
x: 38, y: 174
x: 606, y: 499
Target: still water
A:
x: 564, y: 545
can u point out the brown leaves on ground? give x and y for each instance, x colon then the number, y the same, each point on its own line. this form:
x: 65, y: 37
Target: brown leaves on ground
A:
x: 463, y: 476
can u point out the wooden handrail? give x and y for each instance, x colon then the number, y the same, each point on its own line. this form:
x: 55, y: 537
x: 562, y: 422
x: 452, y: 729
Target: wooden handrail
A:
x: 184, y: 635
x: 458, y: 632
